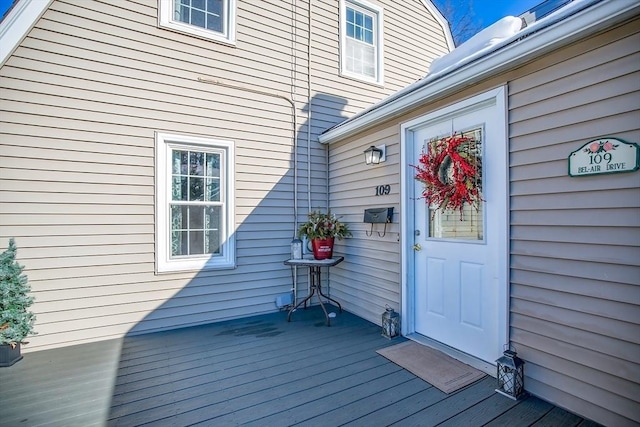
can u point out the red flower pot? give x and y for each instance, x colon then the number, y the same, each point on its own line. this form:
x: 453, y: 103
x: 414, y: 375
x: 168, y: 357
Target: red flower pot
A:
x: 322, y: 248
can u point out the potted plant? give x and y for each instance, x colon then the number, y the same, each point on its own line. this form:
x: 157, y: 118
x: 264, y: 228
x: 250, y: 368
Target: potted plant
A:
x: 16, y: 321
x: 322, y: 229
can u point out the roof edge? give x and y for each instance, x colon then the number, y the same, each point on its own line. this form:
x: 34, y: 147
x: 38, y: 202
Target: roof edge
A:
x: 17, y: 23
x: 590, y: 18
x: 431, y: 7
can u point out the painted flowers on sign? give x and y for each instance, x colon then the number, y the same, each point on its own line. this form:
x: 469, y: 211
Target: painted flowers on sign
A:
x: 600, y: 146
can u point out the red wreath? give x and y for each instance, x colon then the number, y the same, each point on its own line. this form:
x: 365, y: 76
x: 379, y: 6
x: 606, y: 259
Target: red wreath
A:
x: 450, y: 171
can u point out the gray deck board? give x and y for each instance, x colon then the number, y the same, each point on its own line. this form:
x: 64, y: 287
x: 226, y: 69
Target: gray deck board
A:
x: 556, y: 417
x: 260, y: 371
x: 528, y: 412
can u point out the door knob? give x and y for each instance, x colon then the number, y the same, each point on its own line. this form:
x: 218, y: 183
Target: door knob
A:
x: 417, y: 247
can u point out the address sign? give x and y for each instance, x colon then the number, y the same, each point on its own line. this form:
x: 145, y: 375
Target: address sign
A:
x: 605, y: 155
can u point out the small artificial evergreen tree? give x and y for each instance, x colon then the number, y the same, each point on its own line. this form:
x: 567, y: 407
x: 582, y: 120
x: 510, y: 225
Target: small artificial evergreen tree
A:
x: 16, y: 321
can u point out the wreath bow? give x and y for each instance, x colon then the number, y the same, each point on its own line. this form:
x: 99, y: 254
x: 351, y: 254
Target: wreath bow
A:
x: 450, y: 171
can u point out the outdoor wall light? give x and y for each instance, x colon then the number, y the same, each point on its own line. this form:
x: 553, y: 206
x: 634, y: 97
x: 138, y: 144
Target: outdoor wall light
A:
x: 375, y: 155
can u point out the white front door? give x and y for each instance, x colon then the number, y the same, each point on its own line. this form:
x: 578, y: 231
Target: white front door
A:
x: 459, y: 265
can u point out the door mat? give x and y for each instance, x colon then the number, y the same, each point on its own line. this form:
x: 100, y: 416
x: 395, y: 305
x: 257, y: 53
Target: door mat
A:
x: 433, y: 366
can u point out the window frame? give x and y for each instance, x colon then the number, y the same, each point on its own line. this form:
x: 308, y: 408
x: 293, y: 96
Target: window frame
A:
x: 165, y: 144
x: 378, y: 15
x: 165, y: 19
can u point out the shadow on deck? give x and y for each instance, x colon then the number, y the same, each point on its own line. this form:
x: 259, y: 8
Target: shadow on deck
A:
x: 258, y: 371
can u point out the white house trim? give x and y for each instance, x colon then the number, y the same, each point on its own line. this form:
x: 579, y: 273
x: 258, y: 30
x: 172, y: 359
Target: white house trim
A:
x: 165, y: 20
x: 227, y: 259
x: 579, y: 18
x: 17, y: 23
x: 496, y: 97
x: 442, y: 21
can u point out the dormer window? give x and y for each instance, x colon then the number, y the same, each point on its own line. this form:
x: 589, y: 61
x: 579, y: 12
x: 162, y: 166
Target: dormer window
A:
x: 211, y: 19
x: 361, y: 54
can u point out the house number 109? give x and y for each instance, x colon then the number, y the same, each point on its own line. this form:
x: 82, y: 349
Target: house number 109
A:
x: 383, y: 190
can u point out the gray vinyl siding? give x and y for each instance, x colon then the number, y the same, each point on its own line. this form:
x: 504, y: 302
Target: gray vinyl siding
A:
x: 574, y: 242
x: 81, y: 99
x: 575, y: 253
x: 369, y: 279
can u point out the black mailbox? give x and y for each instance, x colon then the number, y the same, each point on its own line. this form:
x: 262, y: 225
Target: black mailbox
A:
x: 378, y: 216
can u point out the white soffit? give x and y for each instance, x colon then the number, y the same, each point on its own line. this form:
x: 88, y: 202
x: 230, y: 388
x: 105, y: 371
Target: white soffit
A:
x: 572, y: 22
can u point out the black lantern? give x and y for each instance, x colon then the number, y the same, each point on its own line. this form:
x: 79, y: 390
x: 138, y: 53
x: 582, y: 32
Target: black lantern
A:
x: 390, y: 323
x: 510, y: 375
x: 373, y: 155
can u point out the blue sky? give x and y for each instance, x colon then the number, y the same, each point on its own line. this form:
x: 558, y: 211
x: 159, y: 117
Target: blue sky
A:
x: 485, y: 11
x: 4, y: 5
x: 490, y: 11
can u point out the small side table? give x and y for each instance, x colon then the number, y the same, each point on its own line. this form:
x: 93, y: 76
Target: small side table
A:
x: 315, y: 283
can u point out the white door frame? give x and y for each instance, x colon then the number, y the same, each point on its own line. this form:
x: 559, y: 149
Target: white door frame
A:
x: 497, y: 97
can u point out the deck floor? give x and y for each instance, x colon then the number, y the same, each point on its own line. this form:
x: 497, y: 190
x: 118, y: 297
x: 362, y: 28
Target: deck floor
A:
x: 260, y: 371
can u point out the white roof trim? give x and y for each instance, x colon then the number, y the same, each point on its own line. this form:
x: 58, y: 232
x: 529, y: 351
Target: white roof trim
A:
x: 568, y: 24
x: 442, y: 21
x: 17, y: 23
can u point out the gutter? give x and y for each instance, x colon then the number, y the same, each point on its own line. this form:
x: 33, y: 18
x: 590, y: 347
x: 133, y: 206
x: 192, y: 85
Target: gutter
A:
x: 563, y: 27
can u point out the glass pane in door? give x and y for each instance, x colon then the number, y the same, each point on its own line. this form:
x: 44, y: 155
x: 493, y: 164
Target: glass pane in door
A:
x: 468, y: 224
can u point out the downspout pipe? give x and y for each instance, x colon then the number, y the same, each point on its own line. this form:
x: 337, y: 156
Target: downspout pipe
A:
x: 293, y: 136
x: 294, y: 149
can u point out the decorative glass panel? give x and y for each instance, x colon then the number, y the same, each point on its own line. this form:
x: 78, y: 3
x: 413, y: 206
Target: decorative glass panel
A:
x: 179, y: 243
x: 196, y: 218
x: 179, y: 188
x: 195, y: 221
x: 189, y: 169
x: 196, y: 188
x: 468, y: 224
x: 196, y: 163
x: 195, y: 230
x: 213, y: 165
x: 212, y: 230
x: 213, y: 190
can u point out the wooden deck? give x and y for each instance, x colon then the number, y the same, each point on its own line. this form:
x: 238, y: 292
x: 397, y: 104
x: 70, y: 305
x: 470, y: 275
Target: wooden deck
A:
x: 259, y: 371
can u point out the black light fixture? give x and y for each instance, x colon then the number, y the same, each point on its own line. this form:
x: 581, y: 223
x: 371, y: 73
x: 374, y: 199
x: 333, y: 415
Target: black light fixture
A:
x: 374, y: 155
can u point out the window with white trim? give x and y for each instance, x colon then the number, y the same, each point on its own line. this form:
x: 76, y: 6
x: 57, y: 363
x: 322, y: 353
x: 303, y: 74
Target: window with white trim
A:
x: 212, y: 19
x: 361, y: 53
x: 194, y: 203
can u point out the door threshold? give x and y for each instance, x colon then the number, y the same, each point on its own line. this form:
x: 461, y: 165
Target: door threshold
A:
x: 472, y: 361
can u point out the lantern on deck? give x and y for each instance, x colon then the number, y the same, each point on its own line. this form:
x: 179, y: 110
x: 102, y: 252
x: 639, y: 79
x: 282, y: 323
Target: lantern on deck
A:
x: 390, y: 323
x: 510, y: 375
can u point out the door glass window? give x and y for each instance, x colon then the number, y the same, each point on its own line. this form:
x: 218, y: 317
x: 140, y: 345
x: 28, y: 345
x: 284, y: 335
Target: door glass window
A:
x: 468, y: 224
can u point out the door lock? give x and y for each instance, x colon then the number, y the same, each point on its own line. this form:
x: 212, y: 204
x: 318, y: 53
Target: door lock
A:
x: 417, y: 247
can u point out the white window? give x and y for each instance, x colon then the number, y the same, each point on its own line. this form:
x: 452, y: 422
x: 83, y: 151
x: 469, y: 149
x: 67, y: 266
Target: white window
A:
x: 361, y: 54
x: 212, y: 19
x: 194, y: 203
